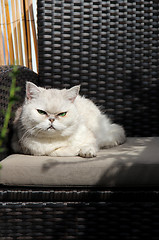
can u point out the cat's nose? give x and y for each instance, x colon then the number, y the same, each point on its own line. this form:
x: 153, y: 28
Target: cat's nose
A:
x: 51, y: 120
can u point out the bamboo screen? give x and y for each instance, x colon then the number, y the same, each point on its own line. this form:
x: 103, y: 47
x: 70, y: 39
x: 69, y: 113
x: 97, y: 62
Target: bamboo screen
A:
x: 18, y: 33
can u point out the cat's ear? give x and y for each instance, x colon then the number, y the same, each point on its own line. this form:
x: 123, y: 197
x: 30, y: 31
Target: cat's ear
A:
x: 32, y: 90
x: 73, y: 92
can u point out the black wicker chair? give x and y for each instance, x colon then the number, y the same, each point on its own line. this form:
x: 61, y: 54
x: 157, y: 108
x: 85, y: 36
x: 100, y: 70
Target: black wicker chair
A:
x: 111, y: 48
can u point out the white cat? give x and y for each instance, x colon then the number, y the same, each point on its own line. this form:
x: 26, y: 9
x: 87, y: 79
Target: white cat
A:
x: 62, y: 123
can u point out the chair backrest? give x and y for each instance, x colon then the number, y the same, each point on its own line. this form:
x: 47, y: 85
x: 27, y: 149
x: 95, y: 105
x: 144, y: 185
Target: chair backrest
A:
x: 109, y: 47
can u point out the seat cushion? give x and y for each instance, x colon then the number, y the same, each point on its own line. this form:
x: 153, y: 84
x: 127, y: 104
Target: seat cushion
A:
x: 135, y: 163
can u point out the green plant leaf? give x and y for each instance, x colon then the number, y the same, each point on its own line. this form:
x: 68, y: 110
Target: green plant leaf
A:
x: 17, y: 89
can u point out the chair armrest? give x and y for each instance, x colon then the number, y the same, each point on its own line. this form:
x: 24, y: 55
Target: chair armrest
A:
x: 24, y: 74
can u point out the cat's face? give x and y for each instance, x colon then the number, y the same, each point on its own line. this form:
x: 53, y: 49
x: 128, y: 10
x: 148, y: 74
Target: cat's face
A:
x: 50, y: 112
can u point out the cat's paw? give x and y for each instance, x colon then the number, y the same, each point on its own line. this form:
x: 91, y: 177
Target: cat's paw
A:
x: 87, y: 152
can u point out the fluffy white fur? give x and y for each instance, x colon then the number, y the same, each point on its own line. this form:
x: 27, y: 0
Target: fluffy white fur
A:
x: 62, y: 123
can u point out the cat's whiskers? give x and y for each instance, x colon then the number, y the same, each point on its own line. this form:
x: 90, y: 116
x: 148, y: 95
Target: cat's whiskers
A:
x: 28, y: 132
x: 38, y: 131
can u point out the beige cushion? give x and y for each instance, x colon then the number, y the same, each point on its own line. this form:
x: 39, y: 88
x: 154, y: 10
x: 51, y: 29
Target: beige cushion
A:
x: 135, y: 163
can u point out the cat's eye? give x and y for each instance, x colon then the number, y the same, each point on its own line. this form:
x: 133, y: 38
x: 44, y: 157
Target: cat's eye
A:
x: 41, y: 112
x: 62, y: 114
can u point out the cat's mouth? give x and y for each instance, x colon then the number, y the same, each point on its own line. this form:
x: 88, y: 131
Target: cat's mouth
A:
x: 51, y: 127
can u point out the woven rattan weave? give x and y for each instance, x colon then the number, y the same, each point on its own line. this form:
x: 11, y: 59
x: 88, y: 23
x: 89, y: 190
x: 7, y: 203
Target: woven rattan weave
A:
x: 111, y: 49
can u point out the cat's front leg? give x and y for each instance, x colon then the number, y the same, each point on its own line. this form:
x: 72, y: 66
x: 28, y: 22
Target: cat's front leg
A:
x: 86, y: 151
x: 65, y: 152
